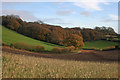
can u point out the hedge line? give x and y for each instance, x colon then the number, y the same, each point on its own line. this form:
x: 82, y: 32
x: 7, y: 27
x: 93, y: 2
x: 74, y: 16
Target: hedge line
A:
x: 63, y: 50
x: 24, y: 46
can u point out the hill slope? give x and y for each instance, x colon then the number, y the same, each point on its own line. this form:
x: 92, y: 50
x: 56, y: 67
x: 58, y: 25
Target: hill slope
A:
x: 9, y: 36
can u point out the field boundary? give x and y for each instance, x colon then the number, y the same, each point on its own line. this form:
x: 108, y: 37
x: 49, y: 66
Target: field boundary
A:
x: 101, y: 56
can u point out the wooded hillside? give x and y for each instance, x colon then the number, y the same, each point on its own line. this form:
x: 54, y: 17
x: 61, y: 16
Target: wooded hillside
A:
x: 54, y: 34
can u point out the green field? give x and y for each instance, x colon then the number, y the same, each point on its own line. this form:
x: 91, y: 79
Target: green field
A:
x: 9, y: 36
x: 99, y: 44
x: 21, y: 66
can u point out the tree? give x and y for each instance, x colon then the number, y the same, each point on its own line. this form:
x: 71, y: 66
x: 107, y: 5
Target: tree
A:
x: 75, y: 40
x: 39, y: 21
x: 10, y: 21
x: 45, y: 32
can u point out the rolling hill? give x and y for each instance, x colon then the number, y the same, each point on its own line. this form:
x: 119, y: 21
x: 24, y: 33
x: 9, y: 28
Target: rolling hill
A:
x: 9, y: 36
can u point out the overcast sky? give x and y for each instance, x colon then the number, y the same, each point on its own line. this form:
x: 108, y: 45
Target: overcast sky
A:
x: 66, y: 14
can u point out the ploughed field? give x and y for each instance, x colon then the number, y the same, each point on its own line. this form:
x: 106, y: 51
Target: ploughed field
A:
x: 82, y: 55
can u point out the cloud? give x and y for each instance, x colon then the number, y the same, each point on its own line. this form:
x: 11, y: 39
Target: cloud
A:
x: 106, y: 3
x: 56, y: 21
x: 85, y: 13
x: 111, y: 18
x: 91, y: 4
x: 28, y: 16
x: 107, y: 20
x: 65, y: 12
x: 25, y: 15
x: 56, y: 0
x: 53, y: 20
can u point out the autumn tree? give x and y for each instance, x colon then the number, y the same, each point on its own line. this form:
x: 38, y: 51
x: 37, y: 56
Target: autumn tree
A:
x: 10, y: 22
x: 75, y: 40
x: 45, y: 32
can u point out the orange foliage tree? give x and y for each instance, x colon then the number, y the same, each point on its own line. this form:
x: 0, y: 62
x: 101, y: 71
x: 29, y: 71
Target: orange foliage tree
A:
x: 75, y: 40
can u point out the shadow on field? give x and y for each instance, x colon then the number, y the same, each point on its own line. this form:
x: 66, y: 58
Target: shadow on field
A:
x: 83, y: 55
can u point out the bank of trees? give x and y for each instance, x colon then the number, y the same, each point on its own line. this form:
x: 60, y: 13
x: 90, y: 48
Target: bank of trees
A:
x: 44, y: 32
x: 89, y: 34
x: 95, y: 34
x: 105, y: 30
x: 54, y: 34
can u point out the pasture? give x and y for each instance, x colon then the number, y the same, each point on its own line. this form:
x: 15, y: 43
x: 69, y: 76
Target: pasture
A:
x: 9, y: 36
x: 23, y: 66
x: 100, y: 44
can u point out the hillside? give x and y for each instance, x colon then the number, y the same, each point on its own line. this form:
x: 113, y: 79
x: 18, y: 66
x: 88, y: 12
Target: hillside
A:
x: 56, y: 34
x: 9, y: 36
x: 48, y: 33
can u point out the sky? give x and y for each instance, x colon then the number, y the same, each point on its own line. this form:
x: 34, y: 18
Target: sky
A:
x: 66, y: 14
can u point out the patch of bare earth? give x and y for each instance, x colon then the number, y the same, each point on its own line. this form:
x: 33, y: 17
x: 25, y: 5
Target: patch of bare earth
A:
x: 82, y: 55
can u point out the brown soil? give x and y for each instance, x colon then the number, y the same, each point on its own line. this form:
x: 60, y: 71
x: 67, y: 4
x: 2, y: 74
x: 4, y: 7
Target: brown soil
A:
x: 82, y: 55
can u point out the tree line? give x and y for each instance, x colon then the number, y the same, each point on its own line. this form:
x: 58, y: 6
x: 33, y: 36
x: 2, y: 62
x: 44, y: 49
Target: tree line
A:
x: 51, y: 33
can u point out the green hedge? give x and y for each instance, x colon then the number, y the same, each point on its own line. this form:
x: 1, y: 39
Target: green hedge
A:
x: 24, y: 46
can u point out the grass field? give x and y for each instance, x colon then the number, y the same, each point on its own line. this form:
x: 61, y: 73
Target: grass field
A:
x: 99, y: 44
x: 21, y: 66
x: 9, y: 36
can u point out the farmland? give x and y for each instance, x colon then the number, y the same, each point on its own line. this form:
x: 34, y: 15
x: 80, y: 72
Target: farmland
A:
x: 80, y: 65
x: 21, y: 66
x: 41, y: 65
x: 9, y: 36
x: 59, y: 41
x: 99, y: 44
